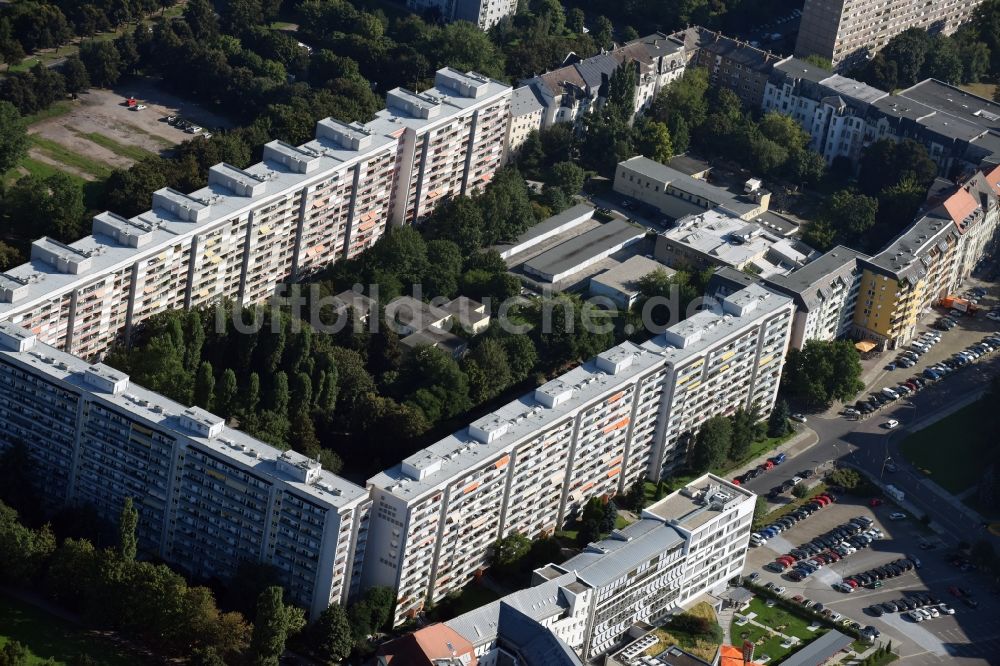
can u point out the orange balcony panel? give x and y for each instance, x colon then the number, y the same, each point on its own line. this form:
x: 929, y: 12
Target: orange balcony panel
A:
x: 616, y: 397
x: 503, y: 462
x: 469, y: 488
x: 615, y: 472
x: 617, y: 425
x: 587, y: 486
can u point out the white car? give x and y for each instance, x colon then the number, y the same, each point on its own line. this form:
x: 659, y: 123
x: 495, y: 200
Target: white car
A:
x: 779, y: 590
x: 891, y: 424
x: 897, y: 516
x: 946, y: 609
x: 933, y: 611
x: 916, y: 616
x: 138, y: 107
x: 995, y: 316
x: 798, y: 417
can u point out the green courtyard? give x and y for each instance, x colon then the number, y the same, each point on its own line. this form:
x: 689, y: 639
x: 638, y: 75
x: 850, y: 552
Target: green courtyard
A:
x: 774, y: 617
x: 53, y: 641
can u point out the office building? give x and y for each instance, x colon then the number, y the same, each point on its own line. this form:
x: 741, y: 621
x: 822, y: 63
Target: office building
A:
x: 677, y: 194
x: 928, y: 261
x: 825, y: 292
x: 850, y: 32
x: 716, y: 238
x: 299, y: 209
x: 530, y: 466
x: 483, y: 13
x: 209, y: 497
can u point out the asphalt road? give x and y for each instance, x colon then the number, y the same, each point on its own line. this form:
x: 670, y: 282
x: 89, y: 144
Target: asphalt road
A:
x: 866, y: 444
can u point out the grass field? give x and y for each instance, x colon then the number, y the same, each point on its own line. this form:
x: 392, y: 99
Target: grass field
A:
x: 967, y: 435
x: 132, y: 152
x: 61, y: 153
x: 48, y: 637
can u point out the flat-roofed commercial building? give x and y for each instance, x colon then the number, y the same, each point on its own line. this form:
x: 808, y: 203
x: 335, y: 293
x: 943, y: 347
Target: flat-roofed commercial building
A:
x: 579, y: 252
x: 209, y: 497
x: 677, y: 194
x: 531, y: 465
x: 249, y: 229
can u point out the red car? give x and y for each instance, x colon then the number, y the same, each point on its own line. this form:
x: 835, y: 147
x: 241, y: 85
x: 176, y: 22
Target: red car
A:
x: 737, y: 481
x: 851, y: 582
x: 874, y: 502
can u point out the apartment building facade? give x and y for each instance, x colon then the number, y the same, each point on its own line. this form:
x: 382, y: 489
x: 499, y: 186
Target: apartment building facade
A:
x: 208, y: 497
x: 843, y: 116
x: 825, y: 292
x: 532, y: 465
x: 483, y: 13
x: 250, y: 229
x: 849, y: 32
x: 927, y: 262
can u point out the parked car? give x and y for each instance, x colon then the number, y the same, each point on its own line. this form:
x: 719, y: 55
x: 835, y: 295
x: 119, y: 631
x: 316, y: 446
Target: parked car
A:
x: 798, y: 417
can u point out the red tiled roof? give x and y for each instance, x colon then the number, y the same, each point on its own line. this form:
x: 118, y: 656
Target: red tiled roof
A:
x: 960, y: 205
x: 423, y: 647
x: 993, y: 178
x: 730, y: 655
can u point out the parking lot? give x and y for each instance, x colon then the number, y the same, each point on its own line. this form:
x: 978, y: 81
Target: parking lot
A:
x: 969, y: 636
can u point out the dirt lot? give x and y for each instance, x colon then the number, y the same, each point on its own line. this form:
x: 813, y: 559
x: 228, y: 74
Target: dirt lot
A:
x: 129, y: 134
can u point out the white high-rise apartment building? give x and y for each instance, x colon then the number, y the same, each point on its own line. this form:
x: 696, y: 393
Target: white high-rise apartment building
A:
x: 483, y: 13
x: 208, y: 497
x: 531, y: 465
x: 847, y: 32
x: 250, y: 229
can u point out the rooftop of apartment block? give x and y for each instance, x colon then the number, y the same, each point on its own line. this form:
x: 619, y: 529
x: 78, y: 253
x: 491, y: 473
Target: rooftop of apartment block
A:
x: 953, y: 101
x: 117, y: 242
x: 203, y: 428
x: 487, y: 439
x: 524, y: 101
x: 698, y: 502
x: 744, y: 53
x: 809, y: 284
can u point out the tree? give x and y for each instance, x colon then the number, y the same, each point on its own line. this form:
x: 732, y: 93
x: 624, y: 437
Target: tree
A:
x: 14, y: 654
x: 510, y: 549
x: 13, y: 136
x: 777, y: 423
x: 609, y: 517
x: 652, y: 139
x: 759, y: 510
x: 487, y: 367
x: 743, y: 432
x: 568, y: 177
x: 75, y: 75
x: 127, y: 522
x: 822, y: 371
x: 711, y: 444
x: 636, y: 498
x: 9, y: 256
x: 204, y: 386
x: 202, y: 20
x: 273, y: 625
x: 225, y: 394
x: 330, y: 638
x: 851, y: 214
x: 886, y: 163
x: 801, y: 491
x: 103, y: 62
x: 52, y: 206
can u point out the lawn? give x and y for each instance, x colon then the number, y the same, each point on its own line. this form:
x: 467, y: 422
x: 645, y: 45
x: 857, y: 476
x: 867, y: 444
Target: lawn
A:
x: 48, y: 637
x: 700, y: 646
x: 966, y: 434
x: 132, y: 152
x: 61, y: 153
x: 774, y: 617
x: 470, y: 598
